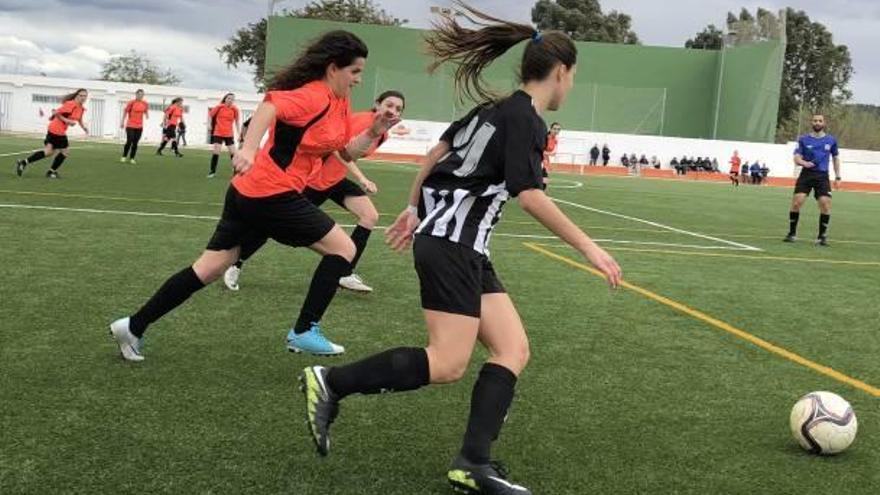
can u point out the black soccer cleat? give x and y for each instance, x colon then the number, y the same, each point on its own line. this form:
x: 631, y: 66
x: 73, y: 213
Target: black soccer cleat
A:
x: 178, y: 155
x: 789, y: 238
x: 322, y: 406
x: 20, y: 166
x: 822, y: 241
x: 482, y: 479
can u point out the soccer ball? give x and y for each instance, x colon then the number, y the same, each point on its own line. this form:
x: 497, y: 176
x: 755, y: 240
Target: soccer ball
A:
x: 823, y: 423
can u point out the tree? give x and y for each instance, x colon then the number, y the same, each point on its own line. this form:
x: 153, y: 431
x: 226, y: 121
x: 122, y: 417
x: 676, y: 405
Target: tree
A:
x: 136, y: 68
x: 248, y: 44
x: 815, y: 73
x: 583, y: 20
x: 710, y: 38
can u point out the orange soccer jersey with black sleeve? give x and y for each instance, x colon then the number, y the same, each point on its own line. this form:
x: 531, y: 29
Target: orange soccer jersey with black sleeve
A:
x: 222, y: 119
x: 310, y: 123
x: 69, y: 109
x: 735, y: 164
x: 548, y: 149
x: 173, y: 114
x: 136, y: 109
x: 333, y: 170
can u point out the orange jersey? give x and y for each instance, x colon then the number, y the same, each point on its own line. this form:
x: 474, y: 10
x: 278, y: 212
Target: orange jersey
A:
x: 136, y: 109
x: 551, y: 144
x: 735, y: 162
x: 173, y: 114
x: 69, y: 109
x: 333, y: 170
x: 222, y: 118
x: 310, y: 123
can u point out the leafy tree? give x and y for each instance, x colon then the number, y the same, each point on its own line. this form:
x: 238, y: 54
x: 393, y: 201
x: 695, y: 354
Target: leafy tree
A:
x: 136, y: 68
x: 248, y: 44
x: 710, y: 38
x: 583, y: 20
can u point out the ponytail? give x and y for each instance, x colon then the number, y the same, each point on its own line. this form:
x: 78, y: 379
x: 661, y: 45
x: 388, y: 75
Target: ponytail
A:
x: 471, y: 51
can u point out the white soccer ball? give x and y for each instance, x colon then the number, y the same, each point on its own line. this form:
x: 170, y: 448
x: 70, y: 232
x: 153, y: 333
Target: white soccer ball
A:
x: 823, y: 423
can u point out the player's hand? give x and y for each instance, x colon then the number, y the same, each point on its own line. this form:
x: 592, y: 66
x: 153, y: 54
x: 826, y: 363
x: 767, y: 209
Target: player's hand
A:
x: 369, y: 186
x: 122, y: 126
x: 837, y: 182
x: 382, y: 122
x: 400, y: 234
x: 605, y: 264
x: 243, y: 161
x: 808, y: 164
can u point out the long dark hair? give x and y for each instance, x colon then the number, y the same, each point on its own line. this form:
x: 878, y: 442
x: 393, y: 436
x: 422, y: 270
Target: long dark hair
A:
x: 227, y: 95
x: 176, y: 100
x: 340, y: 48
x: 73, y: 95
x: 471, y: 51
x: 391, y: 93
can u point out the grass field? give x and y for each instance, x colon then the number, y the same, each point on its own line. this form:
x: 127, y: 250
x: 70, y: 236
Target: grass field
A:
x: 623, y: 395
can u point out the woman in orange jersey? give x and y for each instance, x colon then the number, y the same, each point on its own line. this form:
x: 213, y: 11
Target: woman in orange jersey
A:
x: 133, y: 122
x: 69, y: 113
x: 222, y: 117
x: 550, y: 149
x: 330, y: 182
x: 173, y: 117
x: 305, y: 112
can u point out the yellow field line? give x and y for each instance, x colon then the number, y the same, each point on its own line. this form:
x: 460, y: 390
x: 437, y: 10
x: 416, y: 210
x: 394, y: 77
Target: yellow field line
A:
x: 699, y: 315
x: 730, y: 255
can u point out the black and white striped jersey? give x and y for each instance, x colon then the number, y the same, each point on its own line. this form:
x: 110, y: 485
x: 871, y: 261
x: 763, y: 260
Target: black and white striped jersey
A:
x: 495, y: 153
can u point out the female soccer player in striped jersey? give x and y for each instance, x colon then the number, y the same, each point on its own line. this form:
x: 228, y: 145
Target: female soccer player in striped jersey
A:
x: 223, y: 116
x: 173, y: 117
x: 133, y: 122
x: 69, y: 113
x: 330, y: 182
x: 482, y: 160
x: 306, y: 112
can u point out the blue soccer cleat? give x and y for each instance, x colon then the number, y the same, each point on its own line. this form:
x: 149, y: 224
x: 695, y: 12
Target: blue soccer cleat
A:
x: 312, y: 342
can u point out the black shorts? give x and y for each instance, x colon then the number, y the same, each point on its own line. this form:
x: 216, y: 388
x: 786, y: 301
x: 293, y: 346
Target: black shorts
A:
x: 453, y: 277
x: 228, y: 141
x: 170, y: 132
x: 288, y: 217
x: 57, y: 142
x: 341, y: 190
x: 133, y: 134
x: 818, y: 182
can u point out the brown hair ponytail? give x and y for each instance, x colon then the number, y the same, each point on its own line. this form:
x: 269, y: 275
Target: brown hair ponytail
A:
x: 471, y: 51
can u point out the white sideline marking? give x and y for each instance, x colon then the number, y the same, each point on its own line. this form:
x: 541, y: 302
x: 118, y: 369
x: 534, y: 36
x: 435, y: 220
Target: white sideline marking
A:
x: 210, y: 217
x: 39, y: 149
x: 738, y: 245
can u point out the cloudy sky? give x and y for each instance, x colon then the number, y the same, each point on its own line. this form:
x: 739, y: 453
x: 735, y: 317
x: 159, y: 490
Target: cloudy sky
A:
x: 71, y: 38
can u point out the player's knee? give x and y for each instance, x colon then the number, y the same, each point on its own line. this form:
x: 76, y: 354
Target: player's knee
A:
x: 446, y: 367
x: 346, y: 249
x: 369, y: 218
x: 515, y: 357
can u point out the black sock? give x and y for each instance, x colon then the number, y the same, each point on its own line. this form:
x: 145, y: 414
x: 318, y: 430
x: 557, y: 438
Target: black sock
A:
x: 174, y: 147
x: 214, y: 159
x: 172, y: 294
x: 490, y: 400
x: 37, y: 156
x: 162, y: 146
x: 360, y: 236
x: 793, y: 217
x: 134, y: 149
x: 239, y: 263
x: 394, y: 370
x: 249, y: 247
x: 59, y: 159
x: 126, y: 148
x: 824, y: 220
x: 324, y: 284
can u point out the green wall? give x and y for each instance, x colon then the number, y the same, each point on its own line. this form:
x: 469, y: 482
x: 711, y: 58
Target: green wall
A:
x: 618, y: 88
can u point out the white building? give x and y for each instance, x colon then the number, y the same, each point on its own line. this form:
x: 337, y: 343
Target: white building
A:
x: 27, y: 101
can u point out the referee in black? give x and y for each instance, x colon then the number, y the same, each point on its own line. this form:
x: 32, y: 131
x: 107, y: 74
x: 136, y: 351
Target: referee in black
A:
x: 814, y: 152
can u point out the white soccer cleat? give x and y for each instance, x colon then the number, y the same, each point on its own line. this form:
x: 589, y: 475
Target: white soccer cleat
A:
x: 128, y: 343
x: 230, y: 277
x: 354, y: 282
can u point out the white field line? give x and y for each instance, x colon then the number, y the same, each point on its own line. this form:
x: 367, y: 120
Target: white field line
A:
x: 39, y: 149
x: 744, y: 247
x: 214, y: 218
